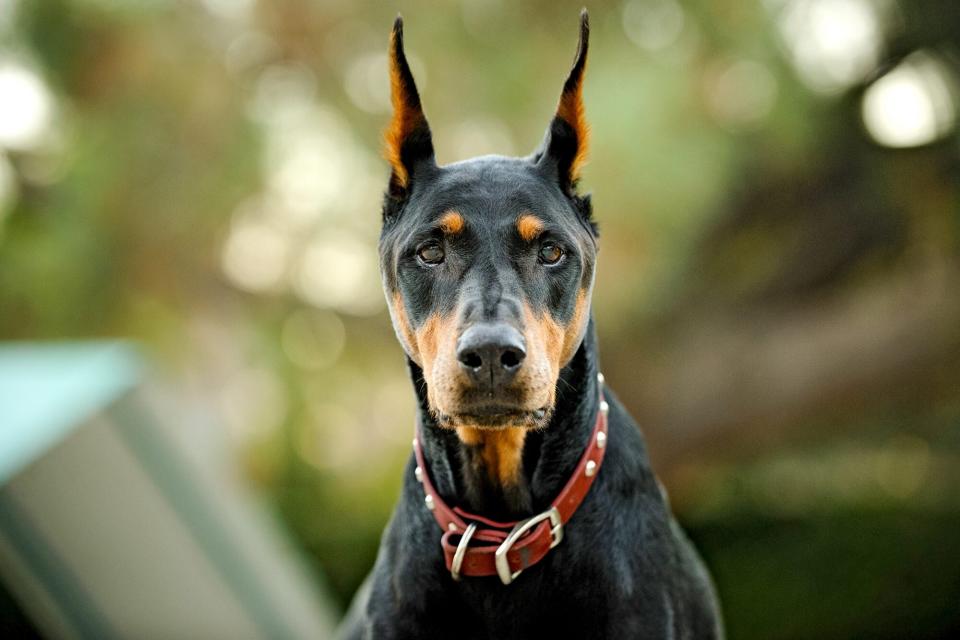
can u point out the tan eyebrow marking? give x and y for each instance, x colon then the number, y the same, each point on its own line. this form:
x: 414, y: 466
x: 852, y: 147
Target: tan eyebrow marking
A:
x: 529, y: 226
x: 452, y: 222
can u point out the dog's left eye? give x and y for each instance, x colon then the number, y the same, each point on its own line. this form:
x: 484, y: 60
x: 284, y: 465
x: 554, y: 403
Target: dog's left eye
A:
x: 431, y: 254
x: 550, y: 253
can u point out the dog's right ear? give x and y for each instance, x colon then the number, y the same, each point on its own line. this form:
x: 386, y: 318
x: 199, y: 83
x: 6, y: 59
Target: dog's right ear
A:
x: 564, y: 148
x: 408, y: 143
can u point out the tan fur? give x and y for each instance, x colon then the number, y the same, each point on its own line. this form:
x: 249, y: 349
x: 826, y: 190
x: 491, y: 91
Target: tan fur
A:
x: 571, y: 108
x: 541, y: 367
x: 401, y: 324
x: 451, y: 222
x: 406, y: 117
x: 573, y: 332
x: 436, y: 342
x: 550, y: 344
x: 529, y: 226
x: 500, y: 449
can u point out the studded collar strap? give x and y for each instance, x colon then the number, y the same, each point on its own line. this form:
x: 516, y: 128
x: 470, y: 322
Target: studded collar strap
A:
x: 477, y: 546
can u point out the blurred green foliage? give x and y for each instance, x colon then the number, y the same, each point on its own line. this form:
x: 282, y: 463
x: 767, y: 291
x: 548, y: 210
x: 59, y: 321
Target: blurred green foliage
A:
x: 778, y: 297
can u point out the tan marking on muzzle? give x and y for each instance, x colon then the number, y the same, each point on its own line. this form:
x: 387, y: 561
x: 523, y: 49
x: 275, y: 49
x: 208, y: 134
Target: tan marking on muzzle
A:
x: 501, y: 451
x: 529, y: 226
x: 436, y: 342
x: 555, y: 343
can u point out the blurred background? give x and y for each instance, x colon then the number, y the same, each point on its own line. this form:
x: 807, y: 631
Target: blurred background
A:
x: 777, y: 184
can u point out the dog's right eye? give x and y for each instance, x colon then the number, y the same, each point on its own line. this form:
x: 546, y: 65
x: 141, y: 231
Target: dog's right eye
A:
x: 430, y: 254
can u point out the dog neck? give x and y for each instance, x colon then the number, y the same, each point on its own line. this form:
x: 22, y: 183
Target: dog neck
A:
x: 513, y: 472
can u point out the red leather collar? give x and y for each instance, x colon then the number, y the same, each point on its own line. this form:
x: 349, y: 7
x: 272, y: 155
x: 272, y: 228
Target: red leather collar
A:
x: 477, y: 546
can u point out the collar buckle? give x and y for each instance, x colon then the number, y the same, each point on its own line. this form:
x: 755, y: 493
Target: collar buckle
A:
x: 500, y: 557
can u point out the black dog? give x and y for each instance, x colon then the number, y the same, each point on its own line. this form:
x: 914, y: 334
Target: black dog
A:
x: 488, y: 265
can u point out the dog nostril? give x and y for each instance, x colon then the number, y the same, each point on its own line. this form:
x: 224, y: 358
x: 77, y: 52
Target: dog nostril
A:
x: 472, y: 360
x: 511, y: 359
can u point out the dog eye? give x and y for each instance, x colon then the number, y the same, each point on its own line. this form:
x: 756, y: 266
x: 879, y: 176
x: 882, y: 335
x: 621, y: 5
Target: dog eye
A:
x: 550, y: 253
x: 431, y: 254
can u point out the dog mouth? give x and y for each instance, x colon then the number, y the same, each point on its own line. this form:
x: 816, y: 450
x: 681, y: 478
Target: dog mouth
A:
x: 495, y: 416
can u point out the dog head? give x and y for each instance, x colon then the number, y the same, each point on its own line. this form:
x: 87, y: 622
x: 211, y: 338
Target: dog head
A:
x: 488, y: 263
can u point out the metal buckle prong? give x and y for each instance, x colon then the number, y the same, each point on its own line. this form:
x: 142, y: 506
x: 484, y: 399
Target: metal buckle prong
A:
x: 500, y: 556
x: 462, y: 550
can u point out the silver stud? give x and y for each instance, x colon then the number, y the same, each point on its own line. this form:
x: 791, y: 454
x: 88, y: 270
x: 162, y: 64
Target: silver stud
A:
x: 452, y: 527
x: 428, y: 500
x: 590, y: 470
x: 601, y: 440
x: 600, y: 378
x: 418, y: 472
x: 604, y: 407
x: 414, y: 443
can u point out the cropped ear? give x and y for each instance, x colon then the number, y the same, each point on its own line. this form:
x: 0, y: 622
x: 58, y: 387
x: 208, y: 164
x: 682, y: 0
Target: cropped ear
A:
x: 408, y: 143
x: 564, y: 149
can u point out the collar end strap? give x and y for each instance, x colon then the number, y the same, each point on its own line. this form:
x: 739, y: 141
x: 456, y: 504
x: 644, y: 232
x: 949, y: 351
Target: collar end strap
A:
x: 501, y: 560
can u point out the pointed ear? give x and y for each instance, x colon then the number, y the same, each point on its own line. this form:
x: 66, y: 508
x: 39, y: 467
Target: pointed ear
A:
x: 564, y: 148
x: 408, y: 143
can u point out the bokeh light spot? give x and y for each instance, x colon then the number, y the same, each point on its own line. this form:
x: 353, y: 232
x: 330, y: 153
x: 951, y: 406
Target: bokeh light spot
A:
x: 912, y: 105
x: 248, y: 50
x: 255, y: 256
x: 740, y: 93
x: 366, y: 83
x: 478, y: 137
x: 26, y: 107
x: 832, y: 43
x: 231, y: 10
x: 653, y: 24
x: 340, y: 271
x: 306, y: 170
x: 283, y: 93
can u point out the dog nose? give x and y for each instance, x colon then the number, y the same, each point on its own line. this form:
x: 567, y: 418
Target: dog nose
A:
x: 491, y: 352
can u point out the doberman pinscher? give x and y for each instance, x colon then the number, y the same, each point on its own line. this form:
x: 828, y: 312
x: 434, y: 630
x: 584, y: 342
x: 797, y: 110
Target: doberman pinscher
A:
x: 529, y: 508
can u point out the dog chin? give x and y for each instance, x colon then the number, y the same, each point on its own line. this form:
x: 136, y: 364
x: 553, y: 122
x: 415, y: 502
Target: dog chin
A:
x: 495, y: 418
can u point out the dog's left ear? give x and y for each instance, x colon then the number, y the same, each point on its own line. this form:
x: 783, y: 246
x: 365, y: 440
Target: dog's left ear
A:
x: 564, y: 148
x: 408, y: 142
